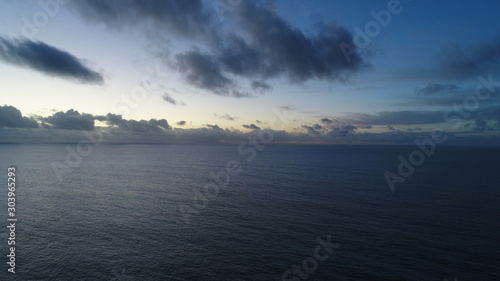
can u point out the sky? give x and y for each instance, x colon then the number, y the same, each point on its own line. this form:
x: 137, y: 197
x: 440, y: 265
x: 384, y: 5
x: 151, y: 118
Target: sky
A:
x: 218, y: 71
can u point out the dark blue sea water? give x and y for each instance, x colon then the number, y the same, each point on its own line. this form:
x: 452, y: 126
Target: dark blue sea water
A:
x: 127, y: 212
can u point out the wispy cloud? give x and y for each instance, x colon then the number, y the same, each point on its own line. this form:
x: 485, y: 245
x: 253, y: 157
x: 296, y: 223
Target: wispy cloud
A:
x: 168, y: 98
x: 407, y: 117
x: 225, y: 116
x: 286, y: 107
x: 436, y: 88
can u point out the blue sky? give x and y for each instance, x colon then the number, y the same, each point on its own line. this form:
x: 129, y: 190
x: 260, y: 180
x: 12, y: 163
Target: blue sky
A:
x: 212, y: 69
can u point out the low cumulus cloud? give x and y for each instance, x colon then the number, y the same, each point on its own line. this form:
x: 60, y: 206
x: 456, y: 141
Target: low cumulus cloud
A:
x: 47, y: 59
x: 391, y: 128
x: 238, y: 57
x: 71, y: 120
x: 330, y: 129
x: 11, y: 117
x: 141, y: 126
x: 342, y: 130
x: 317, y: 127
x: 481, y: 125
x: 310, y: 130
x: 326, y: 121
x: 251, y: 127
x: 71, y: 126
x: 214, y: 127
x: 74, y: 120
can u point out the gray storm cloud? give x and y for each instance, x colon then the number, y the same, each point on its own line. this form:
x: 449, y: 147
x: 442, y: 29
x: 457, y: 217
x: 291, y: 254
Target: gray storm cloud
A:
x: 251, y: 47
x: 47, y: 59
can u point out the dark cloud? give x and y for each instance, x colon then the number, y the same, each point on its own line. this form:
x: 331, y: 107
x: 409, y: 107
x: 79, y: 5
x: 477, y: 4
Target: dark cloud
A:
x: 11, y: 117
x: 326, y: 121
x: 481, y: 125
x: 252, y: 127
x: 391, y: 128
x: 254, y: 46
x: 46, y: 59
x: 71, y: 120
x: 458, y: 64
x: 181, y: 123
x: 311, y: 130
x: 141, y: 126
x: 202, y: 71
x: 487, y: 53
x: 183, y: 18
x: 214, y: 127
x: 337, y: 130
x: 286, y: 51
x: 342, y: 130
x: 168, y: 98
x: 436, y: 88
x: 334, y: 126
x: 260, y: 86
x: 225, y: 116
x: 259, y: 122
x: 70, y: 126
x: 162, y: 123
x: 455, y: 64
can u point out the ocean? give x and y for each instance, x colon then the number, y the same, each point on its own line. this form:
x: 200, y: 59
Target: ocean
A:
x: 282, y: 212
